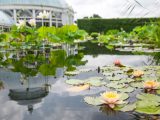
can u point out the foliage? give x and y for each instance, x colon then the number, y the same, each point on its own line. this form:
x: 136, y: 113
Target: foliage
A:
x: 94, y: 35
x: 103, y: 25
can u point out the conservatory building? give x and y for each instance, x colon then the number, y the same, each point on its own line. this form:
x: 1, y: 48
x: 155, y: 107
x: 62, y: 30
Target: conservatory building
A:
x: 60, y: 13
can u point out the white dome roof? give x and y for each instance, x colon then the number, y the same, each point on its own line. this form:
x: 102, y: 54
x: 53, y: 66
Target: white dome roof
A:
x: 54, y: 3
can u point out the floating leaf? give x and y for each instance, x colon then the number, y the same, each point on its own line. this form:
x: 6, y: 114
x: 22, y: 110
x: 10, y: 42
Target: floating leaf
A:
x: 72, y: 73
x: 84, y: 70
x: 149, y: 97
x: 126, y: 80
x: 96, y: 83
x: 126, y: 90
x: 158, y: 92
x: 75, y: 82
x: 129, y: 107
x: 114, y: 78
x: 115, y: 85
x: 124, y: 96
x: 79, y: 88
x: 93, y: 100
x: 107, y: 74
x: 147, y: 107
x: 137, y: 84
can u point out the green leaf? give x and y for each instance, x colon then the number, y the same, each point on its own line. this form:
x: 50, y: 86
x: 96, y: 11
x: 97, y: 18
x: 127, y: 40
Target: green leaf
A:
x: 115, y: 85
x: 93, y: 100
x: 75, y: 82
x: 149, y: 97
x: 126, y: 90
x: 129, y: 107
x: 136, y: 84
x: 96, y: 83
x: 72, y: 73
x: 147, y: 107
x: 124, y: 96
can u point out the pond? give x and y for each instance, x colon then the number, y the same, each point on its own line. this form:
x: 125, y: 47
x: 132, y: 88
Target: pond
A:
x: 33, y: 84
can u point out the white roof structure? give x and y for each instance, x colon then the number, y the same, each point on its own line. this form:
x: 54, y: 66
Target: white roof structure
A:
x: 60, y: 12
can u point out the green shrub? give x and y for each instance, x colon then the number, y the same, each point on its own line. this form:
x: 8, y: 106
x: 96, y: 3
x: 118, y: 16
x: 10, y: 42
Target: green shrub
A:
x: 103, y: 25
x: 94, y: 35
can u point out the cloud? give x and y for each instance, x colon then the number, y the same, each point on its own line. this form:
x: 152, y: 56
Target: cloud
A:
x: 115, y: 8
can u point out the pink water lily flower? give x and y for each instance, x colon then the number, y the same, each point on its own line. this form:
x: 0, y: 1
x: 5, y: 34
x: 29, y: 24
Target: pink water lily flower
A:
x: 151, y: 85
x: 111, y: 99
x: 117, y: 62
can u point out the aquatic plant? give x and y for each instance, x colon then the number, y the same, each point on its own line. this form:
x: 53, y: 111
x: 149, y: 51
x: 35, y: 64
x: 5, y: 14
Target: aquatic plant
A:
x: 117, y: 62
x: 111, y: 99
x: 151, y: 85
x: 138, y: 73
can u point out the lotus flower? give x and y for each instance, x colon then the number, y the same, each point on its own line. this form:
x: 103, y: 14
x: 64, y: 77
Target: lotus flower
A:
x: 32, y: 22
x: 43, y: 15
x: 138, y: 73
x: 117, y: 63
x: 111, y: 99
x: 151, y: 85
x: 21, y: 24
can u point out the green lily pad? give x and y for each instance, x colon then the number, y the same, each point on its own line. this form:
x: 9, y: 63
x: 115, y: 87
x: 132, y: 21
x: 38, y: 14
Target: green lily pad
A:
x: 124, y: 96
x: 149, y: 97
x: 75, y: 82
x: 126, y: 90
x: 158, y: 92
x: 128, y: 107
x: 126, y: 80
x: 96, y: 83
x: 147, y: 107
x: 72, y: 73
x: 136, y: 84
x: 114, y: 78
x: 115, y: 85
x: 93, y: 100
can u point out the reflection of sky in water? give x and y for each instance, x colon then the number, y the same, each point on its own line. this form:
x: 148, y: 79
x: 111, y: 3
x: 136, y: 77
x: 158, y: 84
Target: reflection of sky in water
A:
x: 102, y: 60
x: 60, y: 104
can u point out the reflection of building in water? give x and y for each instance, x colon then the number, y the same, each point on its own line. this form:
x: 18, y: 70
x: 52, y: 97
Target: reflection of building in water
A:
x: 29, y: 96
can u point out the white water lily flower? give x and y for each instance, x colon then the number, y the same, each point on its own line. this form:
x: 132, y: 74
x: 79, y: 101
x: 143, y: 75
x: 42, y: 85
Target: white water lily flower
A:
x: 43, y: 15
x: 21, y: 24
x: 32, y: 22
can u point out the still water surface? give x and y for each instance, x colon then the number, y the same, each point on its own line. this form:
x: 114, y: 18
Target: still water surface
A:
x: 56, y: 103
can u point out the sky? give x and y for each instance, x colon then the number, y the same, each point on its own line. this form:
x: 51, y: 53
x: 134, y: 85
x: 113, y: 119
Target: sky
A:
x: 115, y: 8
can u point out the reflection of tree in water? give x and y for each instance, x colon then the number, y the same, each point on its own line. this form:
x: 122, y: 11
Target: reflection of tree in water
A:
x: 31, y: 63
x: 1, y: 85
x: 153, y: 59
x: 157, y: 58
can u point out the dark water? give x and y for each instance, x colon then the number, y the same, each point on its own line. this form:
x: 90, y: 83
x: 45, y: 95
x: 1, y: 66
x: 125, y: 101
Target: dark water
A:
x: 22, y: 73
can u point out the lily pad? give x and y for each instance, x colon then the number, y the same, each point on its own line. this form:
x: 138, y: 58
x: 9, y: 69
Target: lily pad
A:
x: 75, y: 82
x: 147, y: 107
x: 126, y: 90
x: 72, y: 73
x: 126, y: 80
x: 136, y: 84
x: 128, y: 107
x: 124, y: 96
x: 114, y: 78
x: 115, y: 85
x: 93, y: 100
x: 96, y: 83
x: 149, y: 97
